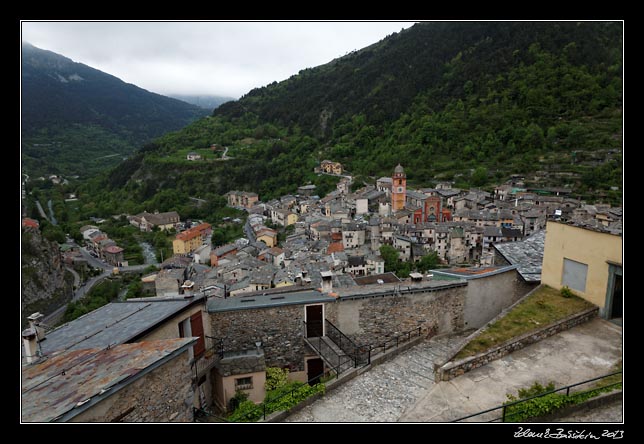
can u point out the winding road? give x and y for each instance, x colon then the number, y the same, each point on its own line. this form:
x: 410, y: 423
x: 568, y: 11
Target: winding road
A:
x: 83, y: 289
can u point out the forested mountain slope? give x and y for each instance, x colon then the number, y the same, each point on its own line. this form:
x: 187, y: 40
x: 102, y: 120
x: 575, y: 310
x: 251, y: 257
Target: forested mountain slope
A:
x: 470, y: 102
x: 77, y: 120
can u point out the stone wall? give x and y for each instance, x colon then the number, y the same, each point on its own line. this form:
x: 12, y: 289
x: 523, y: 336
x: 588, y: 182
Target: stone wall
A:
x: 373, y: 320
x: 453, y: 369
x: 368, y: 320
x: 241, y: 363
x: 279, y: 328
x: 163, y: 395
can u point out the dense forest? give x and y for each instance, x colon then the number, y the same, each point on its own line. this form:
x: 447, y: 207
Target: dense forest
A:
x: 468, y: 102
x: 77, y: 120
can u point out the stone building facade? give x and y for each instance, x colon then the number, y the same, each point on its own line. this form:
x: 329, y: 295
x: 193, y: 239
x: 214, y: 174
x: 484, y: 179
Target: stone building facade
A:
x: 367, y: 316
x: 163, y: 395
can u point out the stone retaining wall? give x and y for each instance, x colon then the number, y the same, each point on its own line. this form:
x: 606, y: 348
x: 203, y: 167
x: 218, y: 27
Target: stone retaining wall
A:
x: 374, y: 320
x: 453, y: 369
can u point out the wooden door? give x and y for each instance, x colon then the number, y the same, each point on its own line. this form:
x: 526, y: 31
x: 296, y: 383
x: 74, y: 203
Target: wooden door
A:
x: 314, y: 326
x: 315, y: 369
x: 196, y: 325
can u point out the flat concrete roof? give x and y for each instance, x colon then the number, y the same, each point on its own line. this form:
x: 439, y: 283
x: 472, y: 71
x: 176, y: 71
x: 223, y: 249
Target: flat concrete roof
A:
x: 269, y: 300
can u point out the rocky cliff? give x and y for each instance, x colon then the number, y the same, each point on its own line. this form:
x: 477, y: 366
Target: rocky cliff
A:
x: 45, y: 283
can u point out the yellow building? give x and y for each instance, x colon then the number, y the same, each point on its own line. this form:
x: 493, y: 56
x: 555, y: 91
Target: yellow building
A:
x: 268, y: 236
x: 291, y: 218
x: 588, y: 261
x: 191, y: 239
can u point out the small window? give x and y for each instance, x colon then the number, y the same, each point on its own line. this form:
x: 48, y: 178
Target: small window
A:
x: 574, y: 275
x: 244, y: 383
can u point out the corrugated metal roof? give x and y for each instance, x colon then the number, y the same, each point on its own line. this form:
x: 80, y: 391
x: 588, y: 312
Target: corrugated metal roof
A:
x: 114, y: 323
x: 74, y: 378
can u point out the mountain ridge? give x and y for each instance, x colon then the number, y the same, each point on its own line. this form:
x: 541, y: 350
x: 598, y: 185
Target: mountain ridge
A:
x: 64, y: 101
x: 540, y: 100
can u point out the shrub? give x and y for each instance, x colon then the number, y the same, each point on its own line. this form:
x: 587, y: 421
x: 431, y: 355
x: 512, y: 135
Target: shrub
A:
x: 566, y: 292
x: 275, y: 378
x: 237, y: 400
x: 246, y: 411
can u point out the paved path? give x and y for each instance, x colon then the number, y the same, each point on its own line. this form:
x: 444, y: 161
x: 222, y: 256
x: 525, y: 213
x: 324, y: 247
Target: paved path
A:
x: 583, y: 352
x: 403, y: 389
x: 382, y: 393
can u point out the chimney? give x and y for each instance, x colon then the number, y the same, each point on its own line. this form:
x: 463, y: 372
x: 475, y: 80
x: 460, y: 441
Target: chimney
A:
x: 35, y: 323
x: 327, y: 281
x: 30, y: 341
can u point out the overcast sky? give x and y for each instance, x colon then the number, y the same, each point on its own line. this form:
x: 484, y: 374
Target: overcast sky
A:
x: 219, y: 58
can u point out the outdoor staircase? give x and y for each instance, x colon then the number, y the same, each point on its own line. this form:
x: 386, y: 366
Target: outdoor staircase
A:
x: 332, y: 355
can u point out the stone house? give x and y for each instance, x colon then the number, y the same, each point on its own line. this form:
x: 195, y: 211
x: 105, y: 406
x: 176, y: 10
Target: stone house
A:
x: 243, y: 199
x: 353, y: 235
x: 168, y: 282
x: 148, y: 221
x: 219, y: 253
x: 403, y: 245
x: 137, y: 382
x: 137, y: 321
x: 113, y: 255
x: 331, y: 167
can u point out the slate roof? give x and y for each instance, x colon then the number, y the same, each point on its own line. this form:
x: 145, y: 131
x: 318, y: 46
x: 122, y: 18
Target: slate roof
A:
x: 527, y: 254
x: 114, y: 323
x: 65, y: 385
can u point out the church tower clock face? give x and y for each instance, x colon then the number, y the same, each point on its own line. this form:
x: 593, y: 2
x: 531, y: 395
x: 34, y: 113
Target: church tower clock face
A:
x: 400, y: 189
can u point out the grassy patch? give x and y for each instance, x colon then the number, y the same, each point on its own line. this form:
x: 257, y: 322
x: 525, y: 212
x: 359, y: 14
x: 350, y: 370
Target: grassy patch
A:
x: 542, y: 308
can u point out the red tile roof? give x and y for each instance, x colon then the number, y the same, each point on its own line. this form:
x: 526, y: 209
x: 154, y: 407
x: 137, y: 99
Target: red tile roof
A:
x: 27, y: 222
x: 335, y: 247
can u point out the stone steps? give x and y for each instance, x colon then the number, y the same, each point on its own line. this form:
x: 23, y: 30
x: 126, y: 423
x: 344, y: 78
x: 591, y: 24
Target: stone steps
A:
x: 385, y: 391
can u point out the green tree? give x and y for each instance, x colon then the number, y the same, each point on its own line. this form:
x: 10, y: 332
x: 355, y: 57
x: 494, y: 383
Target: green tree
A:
x: 427, y: 262
x: 390, y: 256
x: 479, y: 176
x: 218, y: 237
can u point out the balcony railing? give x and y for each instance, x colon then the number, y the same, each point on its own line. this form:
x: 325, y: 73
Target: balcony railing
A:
x: 214, y: 351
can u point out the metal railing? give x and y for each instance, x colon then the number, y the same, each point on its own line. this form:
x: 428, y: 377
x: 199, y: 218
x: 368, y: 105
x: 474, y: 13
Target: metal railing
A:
x: 265, y: 408
x: 339, y: 363
x: 214, y: 350
x: 394, y: 342
x: 359, y: 354
x: 504, y: 408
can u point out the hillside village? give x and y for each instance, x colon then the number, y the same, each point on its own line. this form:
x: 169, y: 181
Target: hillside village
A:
x: 257, y: 303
